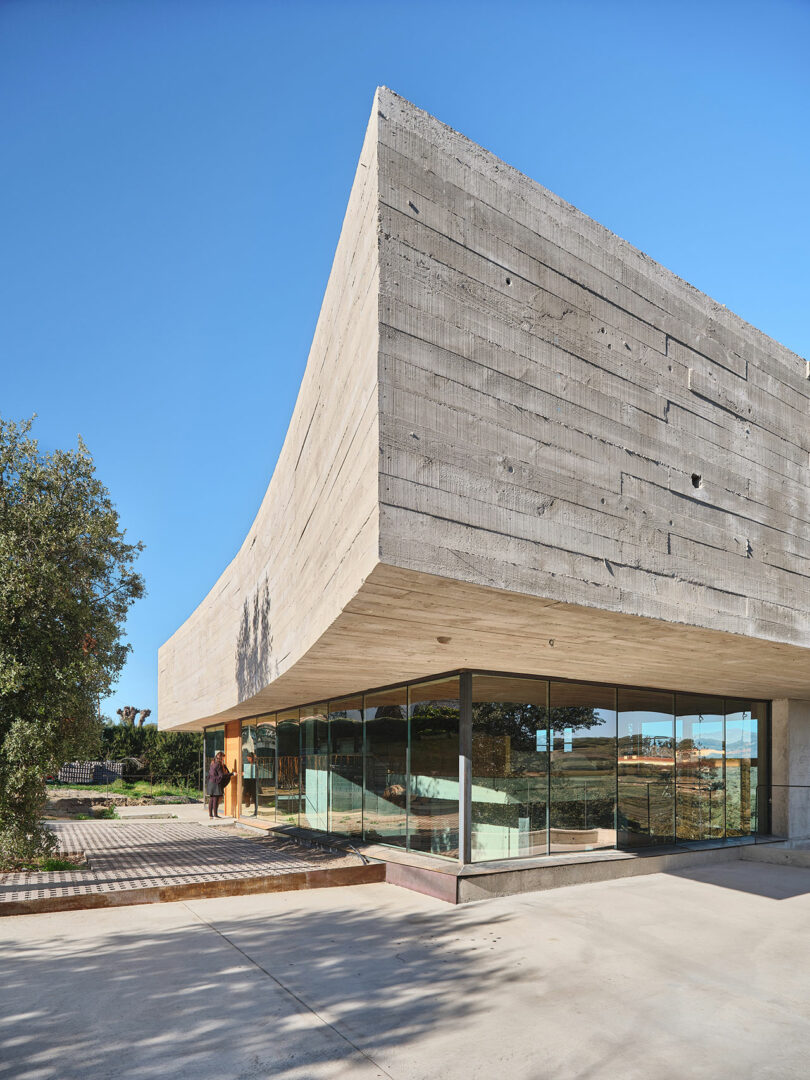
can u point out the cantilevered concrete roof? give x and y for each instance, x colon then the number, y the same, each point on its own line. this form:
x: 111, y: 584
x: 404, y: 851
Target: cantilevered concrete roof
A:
x: 519, y: 444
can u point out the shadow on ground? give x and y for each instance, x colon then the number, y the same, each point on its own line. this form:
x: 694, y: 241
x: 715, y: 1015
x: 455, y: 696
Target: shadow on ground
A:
x: 188, y: 999
x: 764, y: 879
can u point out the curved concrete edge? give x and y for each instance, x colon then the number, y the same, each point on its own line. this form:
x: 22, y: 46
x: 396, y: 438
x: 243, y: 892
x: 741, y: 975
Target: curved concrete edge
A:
x: 304, y: 557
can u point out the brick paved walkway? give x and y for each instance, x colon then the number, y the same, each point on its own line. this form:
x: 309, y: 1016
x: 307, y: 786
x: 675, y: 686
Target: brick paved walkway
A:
x: 135, y: 855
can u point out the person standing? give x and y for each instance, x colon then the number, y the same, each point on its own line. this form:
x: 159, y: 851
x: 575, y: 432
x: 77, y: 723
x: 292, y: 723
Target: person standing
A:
x: 218, y: 779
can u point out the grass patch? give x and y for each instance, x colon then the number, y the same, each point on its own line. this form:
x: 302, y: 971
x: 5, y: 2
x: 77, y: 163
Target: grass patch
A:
x: 139, y: 789
x: 58, y: 864
x: 108, y: 812
x: 45, y: 866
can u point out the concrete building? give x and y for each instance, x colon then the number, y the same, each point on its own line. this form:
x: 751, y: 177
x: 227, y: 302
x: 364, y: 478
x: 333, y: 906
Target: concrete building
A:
x: 532, y: 574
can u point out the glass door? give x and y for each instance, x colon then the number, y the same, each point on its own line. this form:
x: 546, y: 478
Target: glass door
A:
x: 266, y: 790
x: 248, y: 794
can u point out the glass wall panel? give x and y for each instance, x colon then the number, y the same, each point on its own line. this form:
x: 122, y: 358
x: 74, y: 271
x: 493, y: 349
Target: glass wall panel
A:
x: 646, y: 786
x: 742, y: 765
x: 346, y: 766
x: 287, y: 767
x: 386, y: 750
x: 433, y: 809
x: 249, y: 805
x: 266, y: 768
x: 314, y: 767
x: 582, y: 721
x: 699, y: 747
x: 510, y: 751
x: 214, y: 741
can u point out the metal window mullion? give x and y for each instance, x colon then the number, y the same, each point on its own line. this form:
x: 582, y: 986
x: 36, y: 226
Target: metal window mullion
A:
x: 465, y: 768
x: 408, y: 768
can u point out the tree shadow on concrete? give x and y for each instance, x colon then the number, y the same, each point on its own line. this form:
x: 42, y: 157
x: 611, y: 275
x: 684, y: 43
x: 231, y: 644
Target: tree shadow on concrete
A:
x: 255, y: 666
x: 298, y: 993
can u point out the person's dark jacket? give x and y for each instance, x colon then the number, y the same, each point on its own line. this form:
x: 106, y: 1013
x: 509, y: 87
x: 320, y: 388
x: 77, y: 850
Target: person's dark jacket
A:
x: 216, y: 774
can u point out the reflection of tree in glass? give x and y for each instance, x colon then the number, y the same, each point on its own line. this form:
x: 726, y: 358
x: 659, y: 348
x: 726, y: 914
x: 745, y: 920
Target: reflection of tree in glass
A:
x: 522, y: 721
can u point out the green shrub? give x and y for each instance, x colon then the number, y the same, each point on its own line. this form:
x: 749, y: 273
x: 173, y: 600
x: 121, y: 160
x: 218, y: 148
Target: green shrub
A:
x: 167, y: 757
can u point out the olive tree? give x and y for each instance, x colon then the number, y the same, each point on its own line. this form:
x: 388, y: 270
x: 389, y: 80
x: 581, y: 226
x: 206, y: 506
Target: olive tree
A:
x: 66, y: 584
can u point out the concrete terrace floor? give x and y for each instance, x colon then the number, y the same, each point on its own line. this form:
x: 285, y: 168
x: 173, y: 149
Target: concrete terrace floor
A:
x: 699, y: 974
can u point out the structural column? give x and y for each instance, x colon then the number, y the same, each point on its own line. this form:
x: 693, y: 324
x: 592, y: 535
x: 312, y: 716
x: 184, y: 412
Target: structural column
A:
x: 790, y: 768
x: 233, y: 759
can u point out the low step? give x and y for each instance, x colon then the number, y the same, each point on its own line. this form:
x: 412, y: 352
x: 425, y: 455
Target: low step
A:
x: 199, y: 890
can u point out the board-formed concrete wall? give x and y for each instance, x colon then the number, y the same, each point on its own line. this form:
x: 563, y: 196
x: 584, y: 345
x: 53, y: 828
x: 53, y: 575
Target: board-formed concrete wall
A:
x: 519, y: 444
x: 316, y: 533
x: 561, y: 416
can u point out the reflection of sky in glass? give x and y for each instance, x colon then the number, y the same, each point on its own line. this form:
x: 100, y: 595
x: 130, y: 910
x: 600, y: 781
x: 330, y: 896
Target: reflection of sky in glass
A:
x: 705, y: 730
x: 741, y: 735
x: 604, y: 723
x: 651, y: 724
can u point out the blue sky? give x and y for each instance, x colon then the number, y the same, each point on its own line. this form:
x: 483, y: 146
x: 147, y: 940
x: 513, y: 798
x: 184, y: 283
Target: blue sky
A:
x: 173, y: 178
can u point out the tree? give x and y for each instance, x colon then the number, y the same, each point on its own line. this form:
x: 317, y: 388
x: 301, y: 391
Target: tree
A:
x: 130, y: 713
x: 66, y: 584
x: 167, y: 756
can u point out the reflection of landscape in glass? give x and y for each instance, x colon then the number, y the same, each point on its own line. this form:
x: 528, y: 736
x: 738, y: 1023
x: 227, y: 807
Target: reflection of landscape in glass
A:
x: 742, y: 772
x: 646, y: 768
x: 700, y: 798
x: 556, y: 766
x: 314, y: 733
x: 287, y: 767
x: 582, y: 807
x: 266, y: 768
x: 509, y: 767
x: 433, y: 736
x: 385, y: 794
x: 346, y: 766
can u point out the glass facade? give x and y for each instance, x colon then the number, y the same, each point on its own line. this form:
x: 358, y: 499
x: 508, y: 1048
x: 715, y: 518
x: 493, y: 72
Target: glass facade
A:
x: 509, y: 804
x: 385, y: 794
x: 433, y: 712
x: 646, y: 768
x: 346, y: 766
x: 213, y: 742
x: 249, y: 786
x: 582, y: 766
x: 266, y: 791
x: 554, y: 766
